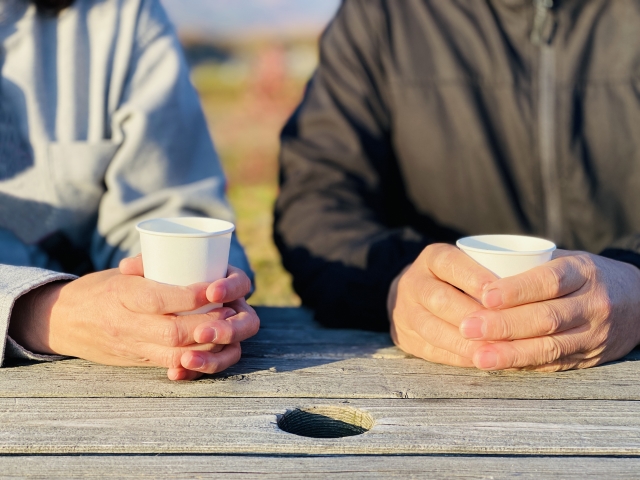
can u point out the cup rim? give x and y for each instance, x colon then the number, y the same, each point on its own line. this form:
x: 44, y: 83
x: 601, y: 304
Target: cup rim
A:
x: 551, y: 246
x: 227, y: 227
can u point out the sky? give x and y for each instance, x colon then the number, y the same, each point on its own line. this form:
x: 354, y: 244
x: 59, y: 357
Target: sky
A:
x: 232, y: 18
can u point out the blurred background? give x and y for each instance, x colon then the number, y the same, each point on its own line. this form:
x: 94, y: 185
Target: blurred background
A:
x: 250, y: 61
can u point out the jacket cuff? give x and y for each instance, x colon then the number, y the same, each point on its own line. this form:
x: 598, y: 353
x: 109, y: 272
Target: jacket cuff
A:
x: 626, y: 256
x: 15, y: 282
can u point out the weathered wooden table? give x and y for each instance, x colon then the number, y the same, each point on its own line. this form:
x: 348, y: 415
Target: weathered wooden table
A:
x: 404, y: 417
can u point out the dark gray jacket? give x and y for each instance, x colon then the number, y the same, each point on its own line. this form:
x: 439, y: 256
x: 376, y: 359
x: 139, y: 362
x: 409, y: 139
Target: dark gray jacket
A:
x: 428, y: 120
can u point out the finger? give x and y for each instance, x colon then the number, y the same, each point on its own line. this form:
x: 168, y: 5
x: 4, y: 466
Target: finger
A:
x: 181, y: 373
x: 142, y: 295
x: 207, y: 362
x: 244, y: 324
x: 168, y: 357
x: 446, y: 302
x: 235, y: 285
x: 412, y: 343
x: 444, y: 357
x: 132, y: 266
x: 572, y: 362
x: 442, y: 335
x: 531, y: 351
x: 172, y: 330
x: 557, y: 278
x: 526, y: 321
x: 455, y: 267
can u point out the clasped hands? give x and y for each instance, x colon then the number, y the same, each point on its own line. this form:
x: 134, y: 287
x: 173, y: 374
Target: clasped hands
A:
x: 576, y: 311
x: 117, y: 317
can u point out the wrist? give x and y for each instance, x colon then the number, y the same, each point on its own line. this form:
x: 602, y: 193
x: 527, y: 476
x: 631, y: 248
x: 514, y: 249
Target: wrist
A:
x: 631, y: 283
x: 30, y: 318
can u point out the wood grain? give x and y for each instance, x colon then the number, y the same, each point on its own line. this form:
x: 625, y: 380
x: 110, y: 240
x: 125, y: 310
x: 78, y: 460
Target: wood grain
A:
x: 261, y: 467
x: 292, y: 357
x: 249, y: 426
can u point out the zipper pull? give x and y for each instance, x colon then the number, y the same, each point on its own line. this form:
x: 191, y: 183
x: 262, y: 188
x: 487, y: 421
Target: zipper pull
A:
x: 543, y: 23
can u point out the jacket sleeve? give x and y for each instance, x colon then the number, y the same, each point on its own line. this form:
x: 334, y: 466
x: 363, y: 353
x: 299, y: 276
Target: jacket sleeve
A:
x: 625, y: 249
x: 338, y: 218
x: 15, y: 282
x: 165, y: 164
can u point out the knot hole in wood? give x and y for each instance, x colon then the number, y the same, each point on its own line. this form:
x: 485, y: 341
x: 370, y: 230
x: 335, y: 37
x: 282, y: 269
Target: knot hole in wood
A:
x: 325, y: 422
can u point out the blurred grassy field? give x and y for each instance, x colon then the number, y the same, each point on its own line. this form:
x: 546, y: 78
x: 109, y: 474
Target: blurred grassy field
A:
x: 246, y: 103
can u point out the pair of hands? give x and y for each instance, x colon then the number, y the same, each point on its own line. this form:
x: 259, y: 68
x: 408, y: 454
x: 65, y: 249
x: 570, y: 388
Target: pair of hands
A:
x: 117, y: 317
x: 576, y: 311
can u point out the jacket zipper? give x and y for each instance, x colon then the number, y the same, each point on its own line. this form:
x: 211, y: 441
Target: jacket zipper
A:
x: 541, y: 36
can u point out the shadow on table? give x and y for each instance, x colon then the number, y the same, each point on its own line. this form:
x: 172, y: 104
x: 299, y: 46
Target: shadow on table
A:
x: 290, y: 339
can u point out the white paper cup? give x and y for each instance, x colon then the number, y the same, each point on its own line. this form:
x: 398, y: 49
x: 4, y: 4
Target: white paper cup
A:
x: 186, y: 250
x: 507, y: 255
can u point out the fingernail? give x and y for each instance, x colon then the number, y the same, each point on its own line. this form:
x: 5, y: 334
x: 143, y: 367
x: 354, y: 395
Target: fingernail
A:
x: 196, y: 363
x: 229, y: 312
x: 472, y: 328
x: 208, y: 335
x: 492, y: 298
x: 486, y: 360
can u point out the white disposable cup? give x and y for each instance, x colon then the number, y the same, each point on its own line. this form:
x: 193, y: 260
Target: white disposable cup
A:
x: 507, y: 255
x: 186, y: 250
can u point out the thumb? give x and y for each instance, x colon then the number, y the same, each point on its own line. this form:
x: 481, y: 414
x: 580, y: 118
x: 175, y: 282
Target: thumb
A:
x: 132, y: 266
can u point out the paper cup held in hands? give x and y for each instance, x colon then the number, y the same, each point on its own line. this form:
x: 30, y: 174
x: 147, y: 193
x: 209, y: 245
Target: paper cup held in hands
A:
x: 507, y: 255
x: 186, y: 250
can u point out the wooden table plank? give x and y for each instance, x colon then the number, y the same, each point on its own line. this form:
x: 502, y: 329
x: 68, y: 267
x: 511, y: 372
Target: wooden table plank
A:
x: 293, y: 357
x: 248, y: 425
x: 259, y: 467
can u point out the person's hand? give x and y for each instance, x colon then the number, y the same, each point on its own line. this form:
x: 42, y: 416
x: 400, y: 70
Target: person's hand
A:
x: 428, y: 301
x: 124, y: 319
x: 576, y: 311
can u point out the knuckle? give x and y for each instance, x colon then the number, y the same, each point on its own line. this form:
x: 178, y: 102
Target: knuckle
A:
x: 433, y: 332
x: 435, y: 298
x: 436, y: 254
x: 171, y: 334
x: 553, y: 281
x: 446, y: 257
x: 246, y: 285
x: 431, y: 250
x: 253, y: 312
x: 225, y: 333
x: 427, y: 352
x: 550, y: 321
x: 254, y: 325
x: 171, y: 358
x: 237, y: 353
x: 189, y: 297
x: 149, y: 301
x: 552, y: 350
x: 552, y: 367
x: 598, y: 351
x: 512, y: 356
x: 499, y: 327
x: 409, y: 281
x: 211, y: 368
x: 122, y: 350
x: 477, y: 283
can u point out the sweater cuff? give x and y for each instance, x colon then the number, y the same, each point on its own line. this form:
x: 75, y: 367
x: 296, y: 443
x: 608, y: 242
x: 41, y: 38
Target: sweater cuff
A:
x: 626, y: 256
x: 14, y: 350
x: 15, y: 282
